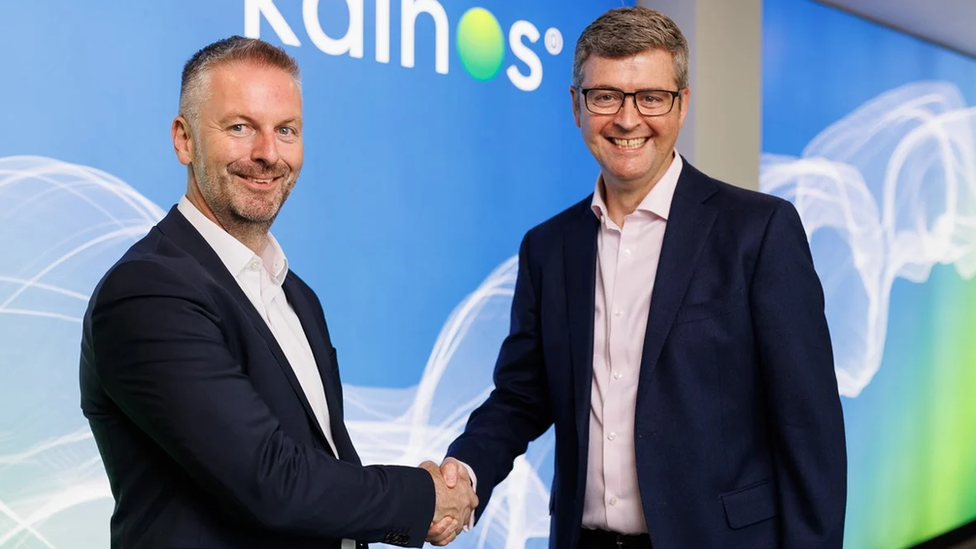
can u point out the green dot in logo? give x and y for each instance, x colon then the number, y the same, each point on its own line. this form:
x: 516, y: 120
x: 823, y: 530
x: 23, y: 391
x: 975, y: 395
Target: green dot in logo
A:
x: 480, y: 43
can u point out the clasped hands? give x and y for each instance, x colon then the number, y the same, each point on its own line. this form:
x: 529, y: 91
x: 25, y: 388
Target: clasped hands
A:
x: 456, y: 500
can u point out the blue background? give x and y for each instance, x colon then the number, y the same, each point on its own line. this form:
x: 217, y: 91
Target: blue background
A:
x: 820, y: 63
x: 910, y: 446
x: 416, y: 184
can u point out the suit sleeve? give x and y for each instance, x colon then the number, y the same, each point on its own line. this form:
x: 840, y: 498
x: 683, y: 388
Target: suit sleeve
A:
x: 804, y: 408
x: 518, y: 410
x: 161, y: 357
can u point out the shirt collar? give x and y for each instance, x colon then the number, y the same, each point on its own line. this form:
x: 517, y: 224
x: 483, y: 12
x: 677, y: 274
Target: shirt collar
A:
x: 658, y: 201
x: 232, y: 252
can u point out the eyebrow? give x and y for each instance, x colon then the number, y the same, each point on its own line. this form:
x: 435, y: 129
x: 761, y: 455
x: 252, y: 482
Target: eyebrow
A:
x: 238, y: 116
x: 296, y: 120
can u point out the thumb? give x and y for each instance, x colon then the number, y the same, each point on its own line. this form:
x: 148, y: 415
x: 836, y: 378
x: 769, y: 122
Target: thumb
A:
x: 450, y: 471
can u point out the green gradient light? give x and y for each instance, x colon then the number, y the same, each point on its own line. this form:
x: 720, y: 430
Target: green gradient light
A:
x: 480, y: 43
x: 911, y: 449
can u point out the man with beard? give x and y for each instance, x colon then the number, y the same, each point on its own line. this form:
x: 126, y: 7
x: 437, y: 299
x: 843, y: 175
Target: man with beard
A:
x: 207, y: 372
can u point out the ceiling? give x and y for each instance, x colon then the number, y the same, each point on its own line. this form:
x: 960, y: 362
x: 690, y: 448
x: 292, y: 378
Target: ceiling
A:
x: 950, y: 23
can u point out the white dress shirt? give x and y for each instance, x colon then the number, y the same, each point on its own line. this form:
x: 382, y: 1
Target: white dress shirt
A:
x: 627, y: 260
x: 261, y: 278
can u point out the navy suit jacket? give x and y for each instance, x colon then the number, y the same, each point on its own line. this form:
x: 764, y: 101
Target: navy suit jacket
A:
x: 206, y: 435
x: 739, y: 429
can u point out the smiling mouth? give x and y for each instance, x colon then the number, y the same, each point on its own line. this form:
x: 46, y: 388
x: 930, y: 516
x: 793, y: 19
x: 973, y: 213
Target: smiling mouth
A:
x: 635, y: 143
x: 260, y: 180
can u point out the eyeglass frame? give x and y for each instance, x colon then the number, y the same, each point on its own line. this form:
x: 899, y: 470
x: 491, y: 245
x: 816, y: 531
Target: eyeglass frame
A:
x: 674, y: 96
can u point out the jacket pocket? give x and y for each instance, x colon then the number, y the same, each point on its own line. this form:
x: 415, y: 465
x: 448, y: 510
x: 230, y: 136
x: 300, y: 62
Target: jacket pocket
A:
x: 750, y: 505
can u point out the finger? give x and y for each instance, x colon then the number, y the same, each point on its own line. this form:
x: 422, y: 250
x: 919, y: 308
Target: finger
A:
x: 462, y: 472
x: 471, y: 498
x: 442, y: 542
x: 449, y: 539
x: 466, y: 524
x: 450, y: 471
x: 440, y: 527
x: 442, y: 531
x: 447, y: 523
x: 437, y: 531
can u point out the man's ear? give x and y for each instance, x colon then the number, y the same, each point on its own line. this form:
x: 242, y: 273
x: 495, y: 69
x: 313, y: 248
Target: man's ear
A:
x: 575, y: 96
x: 182, y: 140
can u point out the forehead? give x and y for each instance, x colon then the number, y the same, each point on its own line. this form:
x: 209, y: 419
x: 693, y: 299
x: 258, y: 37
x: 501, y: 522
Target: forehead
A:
x: 648, y: 69
x: 254, y: 90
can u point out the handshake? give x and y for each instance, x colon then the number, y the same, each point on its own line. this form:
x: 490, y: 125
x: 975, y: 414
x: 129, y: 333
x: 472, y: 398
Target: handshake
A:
x: 456, y: 500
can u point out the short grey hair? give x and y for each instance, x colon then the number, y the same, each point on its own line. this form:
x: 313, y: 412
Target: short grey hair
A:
x: 234, y: 49
x: 624, y: 32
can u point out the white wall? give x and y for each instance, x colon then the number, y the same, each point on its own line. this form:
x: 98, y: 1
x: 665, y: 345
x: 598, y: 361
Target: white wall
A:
x: 721, y: 135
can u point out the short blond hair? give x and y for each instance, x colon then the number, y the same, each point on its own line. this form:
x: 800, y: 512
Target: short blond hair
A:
x: 234, y: 49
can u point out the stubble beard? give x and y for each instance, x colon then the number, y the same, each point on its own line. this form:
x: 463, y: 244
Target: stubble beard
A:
x: 237, y: 219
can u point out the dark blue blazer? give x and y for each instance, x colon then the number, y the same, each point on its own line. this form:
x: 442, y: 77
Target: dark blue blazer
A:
x: 739, y: 429
x: 206, y: 435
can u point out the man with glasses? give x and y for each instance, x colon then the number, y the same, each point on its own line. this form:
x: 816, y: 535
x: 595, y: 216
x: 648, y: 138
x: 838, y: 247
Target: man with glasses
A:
x: 671, y: 327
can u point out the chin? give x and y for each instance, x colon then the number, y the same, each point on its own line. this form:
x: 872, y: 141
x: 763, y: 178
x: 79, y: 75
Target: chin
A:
x: 630, y: 176
x: 263, y: 214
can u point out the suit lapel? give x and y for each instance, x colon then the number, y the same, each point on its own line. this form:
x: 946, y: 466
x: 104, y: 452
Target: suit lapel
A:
x: 176, y: 227
x: 689, y: 223
x: 580, y: 266
x: 315, y: 333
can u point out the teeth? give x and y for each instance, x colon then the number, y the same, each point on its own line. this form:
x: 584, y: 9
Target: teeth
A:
x: 628, y: 143
x: 261, y: 180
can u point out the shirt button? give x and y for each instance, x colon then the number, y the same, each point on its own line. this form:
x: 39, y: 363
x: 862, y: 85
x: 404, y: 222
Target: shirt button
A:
x: 627, y: 253
x: 613, y: 501
x: 611, y: 436
x: 255, y: 265
x: 617, y: 375
x: 617, y: 313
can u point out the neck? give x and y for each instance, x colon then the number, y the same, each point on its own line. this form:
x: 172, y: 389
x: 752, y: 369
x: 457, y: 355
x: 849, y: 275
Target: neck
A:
x: 623, y: 197
x: 622, y: 202
x: 253, y: 235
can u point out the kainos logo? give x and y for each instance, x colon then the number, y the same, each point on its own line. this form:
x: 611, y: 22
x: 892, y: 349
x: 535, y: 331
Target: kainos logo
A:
x: 479, y: 37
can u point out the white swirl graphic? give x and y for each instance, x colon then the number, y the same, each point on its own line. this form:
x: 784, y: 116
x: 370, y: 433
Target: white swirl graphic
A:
x: 891, y: 188
x: 62, y: 226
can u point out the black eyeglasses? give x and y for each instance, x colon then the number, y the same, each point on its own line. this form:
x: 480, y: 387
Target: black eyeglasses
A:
x: 610, y: 101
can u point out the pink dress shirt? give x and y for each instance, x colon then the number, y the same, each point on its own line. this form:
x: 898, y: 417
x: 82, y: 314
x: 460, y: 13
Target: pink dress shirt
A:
x: 627, y: 259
